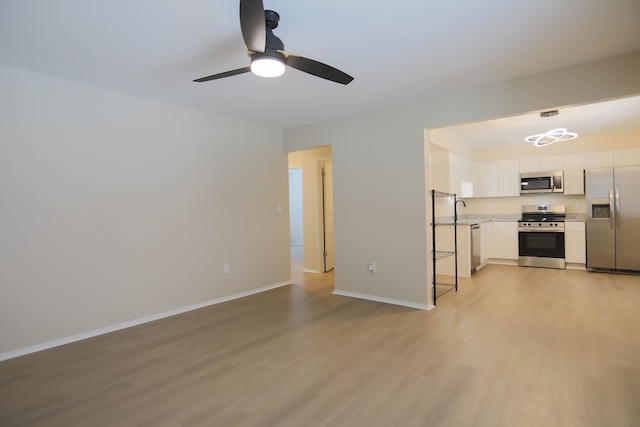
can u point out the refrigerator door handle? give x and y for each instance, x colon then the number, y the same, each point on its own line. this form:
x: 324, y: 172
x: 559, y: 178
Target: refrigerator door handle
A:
x: 617, y: 209
x: 611, y: 208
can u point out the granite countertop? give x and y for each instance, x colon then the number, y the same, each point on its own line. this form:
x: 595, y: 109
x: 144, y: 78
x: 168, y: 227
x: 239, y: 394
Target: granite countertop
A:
x: 479, y: 219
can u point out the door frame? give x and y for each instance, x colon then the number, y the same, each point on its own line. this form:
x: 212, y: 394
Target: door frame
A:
x: 320, y: 210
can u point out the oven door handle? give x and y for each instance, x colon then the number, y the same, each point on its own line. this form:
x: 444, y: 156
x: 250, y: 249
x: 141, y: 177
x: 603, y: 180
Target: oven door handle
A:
x: 540, y: 230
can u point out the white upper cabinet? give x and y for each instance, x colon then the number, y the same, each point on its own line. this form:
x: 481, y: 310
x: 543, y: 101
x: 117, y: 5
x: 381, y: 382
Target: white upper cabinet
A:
x: 462, y: 174
x: 551, y: 163
x: 574, y: 173
x: 439, y: 163
x: 627, y: 157
x: 508, y: 178
x: 540, y: 164
x: 452, y: 173
x: 598, y: 159
x: 486, y: 179
x: 529, y: 165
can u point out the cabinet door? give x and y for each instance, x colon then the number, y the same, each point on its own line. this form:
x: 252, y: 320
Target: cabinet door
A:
x: 444, y: 242
x: 505, y: 240
x: 575, y: 243
x: 627, y: 157
x: 508, y: 178
x: 598, y: 159
x: 540, y: 164
x: 551, y: 163
x: 439, y: 171
x: 487, y: 179
x: 462, y: 173
x: 486, y: 243
x: 574, y: 174
x: 531, y: 164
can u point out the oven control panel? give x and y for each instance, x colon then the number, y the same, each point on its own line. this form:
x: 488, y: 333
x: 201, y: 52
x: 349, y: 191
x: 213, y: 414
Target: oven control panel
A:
x: 540, y: 226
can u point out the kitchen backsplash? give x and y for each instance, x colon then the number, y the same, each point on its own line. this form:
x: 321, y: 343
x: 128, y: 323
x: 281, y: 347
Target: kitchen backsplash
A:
x: 513, y: 205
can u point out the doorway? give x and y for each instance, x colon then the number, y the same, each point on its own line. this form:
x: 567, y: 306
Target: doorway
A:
x: 296, y: 227
x: 311, y: 205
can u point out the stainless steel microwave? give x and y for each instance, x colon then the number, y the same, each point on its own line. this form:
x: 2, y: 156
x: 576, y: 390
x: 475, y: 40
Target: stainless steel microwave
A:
x: 541, y: 182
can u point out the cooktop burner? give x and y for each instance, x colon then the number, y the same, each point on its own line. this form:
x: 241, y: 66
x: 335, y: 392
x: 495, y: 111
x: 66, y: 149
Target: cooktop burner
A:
x: 541, y: 217
x: 543, y: 212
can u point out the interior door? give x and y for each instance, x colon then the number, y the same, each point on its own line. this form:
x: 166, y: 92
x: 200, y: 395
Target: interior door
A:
x: 327, y: 212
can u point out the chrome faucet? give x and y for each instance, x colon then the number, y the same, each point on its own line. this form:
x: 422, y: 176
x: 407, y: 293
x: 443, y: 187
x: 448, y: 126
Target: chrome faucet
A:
x: 463, y: 203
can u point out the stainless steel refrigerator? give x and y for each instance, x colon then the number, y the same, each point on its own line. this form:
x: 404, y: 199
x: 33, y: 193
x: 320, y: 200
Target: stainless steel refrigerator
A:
x: 613, y: 218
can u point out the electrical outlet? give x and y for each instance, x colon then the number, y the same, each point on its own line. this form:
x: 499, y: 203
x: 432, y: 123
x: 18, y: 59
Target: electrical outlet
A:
x: 372, y: 267
x: 225, y: 268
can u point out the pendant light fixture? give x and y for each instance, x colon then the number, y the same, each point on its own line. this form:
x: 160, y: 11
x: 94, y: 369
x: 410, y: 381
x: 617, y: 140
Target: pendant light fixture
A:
x: 552, y: 136
x: 548, y: 138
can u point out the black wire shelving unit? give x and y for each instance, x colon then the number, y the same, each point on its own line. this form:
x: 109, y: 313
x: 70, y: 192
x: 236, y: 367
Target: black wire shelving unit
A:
x: 441, y: 288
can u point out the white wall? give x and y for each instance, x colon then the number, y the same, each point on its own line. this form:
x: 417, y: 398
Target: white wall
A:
x: 379, y: 203
x: 113, y: 208
x: 379, y: 167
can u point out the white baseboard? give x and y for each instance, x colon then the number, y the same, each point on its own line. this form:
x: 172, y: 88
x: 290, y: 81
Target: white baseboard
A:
x: 309, y: 270
x: 101, y: 331
x: 502, y: 261
x: 384, y: 300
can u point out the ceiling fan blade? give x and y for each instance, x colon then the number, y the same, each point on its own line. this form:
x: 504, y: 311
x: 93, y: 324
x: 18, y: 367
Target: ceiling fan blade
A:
x: 225, y: 74
x: 253, y: 25
x: 318, y: 69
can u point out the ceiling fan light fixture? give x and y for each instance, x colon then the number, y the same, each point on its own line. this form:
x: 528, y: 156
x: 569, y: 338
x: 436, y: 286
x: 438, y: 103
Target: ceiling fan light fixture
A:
x: 267, y: 66
x: 548, y: 138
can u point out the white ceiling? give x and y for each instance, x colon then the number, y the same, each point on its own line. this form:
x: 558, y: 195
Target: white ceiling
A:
x: 620, y: 115
x: 396, y: 50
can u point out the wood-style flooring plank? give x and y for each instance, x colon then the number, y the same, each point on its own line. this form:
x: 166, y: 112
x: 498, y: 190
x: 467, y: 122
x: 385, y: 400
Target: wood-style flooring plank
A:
x: 514, y: 347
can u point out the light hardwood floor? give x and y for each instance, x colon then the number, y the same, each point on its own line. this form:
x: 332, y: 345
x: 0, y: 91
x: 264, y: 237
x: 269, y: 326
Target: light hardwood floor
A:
x: 514, y: 347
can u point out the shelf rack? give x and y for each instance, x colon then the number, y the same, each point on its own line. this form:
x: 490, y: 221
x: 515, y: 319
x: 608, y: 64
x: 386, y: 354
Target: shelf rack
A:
x: 442, y: 288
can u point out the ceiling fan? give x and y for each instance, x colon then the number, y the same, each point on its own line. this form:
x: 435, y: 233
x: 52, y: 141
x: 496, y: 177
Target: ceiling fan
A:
x: 268, y: 57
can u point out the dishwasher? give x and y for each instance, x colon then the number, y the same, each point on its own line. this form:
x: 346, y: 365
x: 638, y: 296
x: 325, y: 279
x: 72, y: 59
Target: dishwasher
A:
x: 475, y: 247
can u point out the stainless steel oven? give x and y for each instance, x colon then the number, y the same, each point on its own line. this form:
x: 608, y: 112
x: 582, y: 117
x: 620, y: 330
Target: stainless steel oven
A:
x: 541, y: 236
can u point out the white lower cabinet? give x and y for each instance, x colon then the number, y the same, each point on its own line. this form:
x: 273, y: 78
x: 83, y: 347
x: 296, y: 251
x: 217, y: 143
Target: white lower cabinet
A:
x: 444, y: 237
x: 486, y: 241
x: 505, y: 240
x: 575, y: 248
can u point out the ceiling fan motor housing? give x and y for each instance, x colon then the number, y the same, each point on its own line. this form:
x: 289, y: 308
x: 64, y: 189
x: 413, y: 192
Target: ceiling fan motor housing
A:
x: 272, y: 18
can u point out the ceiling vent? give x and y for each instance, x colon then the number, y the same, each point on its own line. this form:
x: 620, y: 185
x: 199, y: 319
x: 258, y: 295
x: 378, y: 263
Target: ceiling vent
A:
x: 549, y: 113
